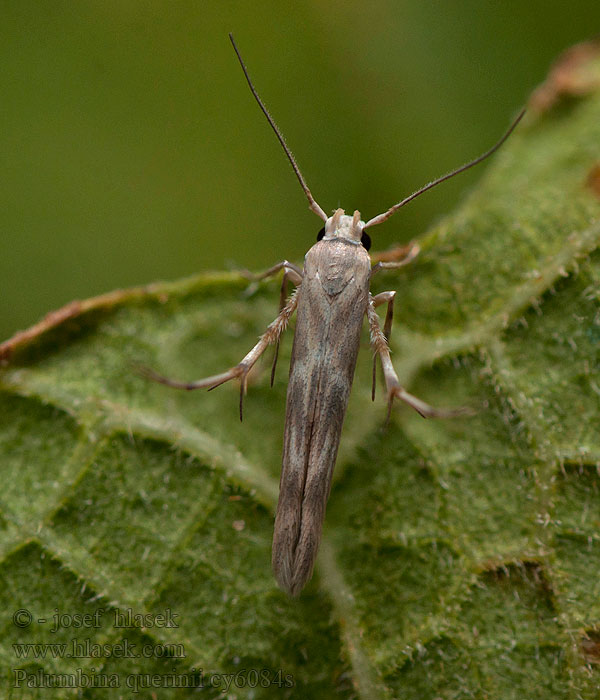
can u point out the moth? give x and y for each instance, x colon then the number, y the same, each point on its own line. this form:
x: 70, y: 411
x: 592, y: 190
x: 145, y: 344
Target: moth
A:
x: 331, y: 299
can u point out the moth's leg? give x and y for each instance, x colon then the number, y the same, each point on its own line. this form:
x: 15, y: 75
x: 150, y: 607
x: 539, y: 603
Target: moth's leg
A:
x: 387, y: 262
x: 392, y: 383
x: 387, y: 327
x: 293, y: 273
x: 271, y: 335
x: 291, y: 270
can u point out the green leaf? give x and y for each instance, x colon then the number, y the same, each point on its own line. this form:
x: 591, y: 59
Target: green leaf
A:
x: 460, y: 558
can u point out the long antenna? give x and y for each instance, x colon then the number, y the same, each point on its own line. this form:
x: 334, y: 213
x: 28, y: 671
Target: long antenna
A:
x: 313, y: 204
x: 386, y: 215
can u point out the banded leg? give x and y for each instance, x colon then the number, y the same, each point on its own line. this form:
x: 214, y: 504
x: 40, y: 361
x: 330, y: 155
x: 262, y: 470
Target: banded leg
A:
x: 387, y: 327
x: 271, y: 335
x: 392, y: 383
x: 388, y: 260
x: 293, y: 274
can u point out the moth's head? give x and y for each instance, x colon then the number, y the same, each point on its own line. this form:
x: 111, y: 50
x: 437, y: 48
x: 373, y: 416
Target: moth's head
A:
x: 350, y: 228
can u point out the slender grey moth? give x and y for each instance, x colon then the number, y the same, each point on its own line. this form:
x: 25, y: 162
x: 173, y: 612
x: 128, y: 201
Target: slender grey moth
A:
x: 330, y: 300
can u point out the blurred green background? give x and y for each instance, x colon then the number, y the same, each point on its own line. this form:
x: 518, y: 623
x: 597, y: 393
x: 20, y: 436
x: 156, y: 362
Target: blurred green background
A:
x: 132, y: 150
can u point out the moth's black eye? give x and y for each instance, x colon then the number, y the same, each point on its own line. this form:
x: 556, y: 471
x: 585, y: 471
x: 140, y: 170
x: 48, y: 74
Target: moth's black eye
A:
x: 321, y: 234
x: 365, y: 239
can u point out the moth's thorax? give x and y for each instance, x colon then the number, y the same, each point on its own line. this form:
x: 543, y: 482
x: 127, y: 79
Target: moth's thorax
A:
x: 340, y: 225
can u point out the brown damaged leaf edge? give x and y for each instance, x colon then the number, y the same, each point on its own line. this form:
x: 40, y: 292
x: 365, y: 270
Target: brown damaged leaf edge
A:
x: 73, y: 309
x: 576, y: 73
x: 159, y: 291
